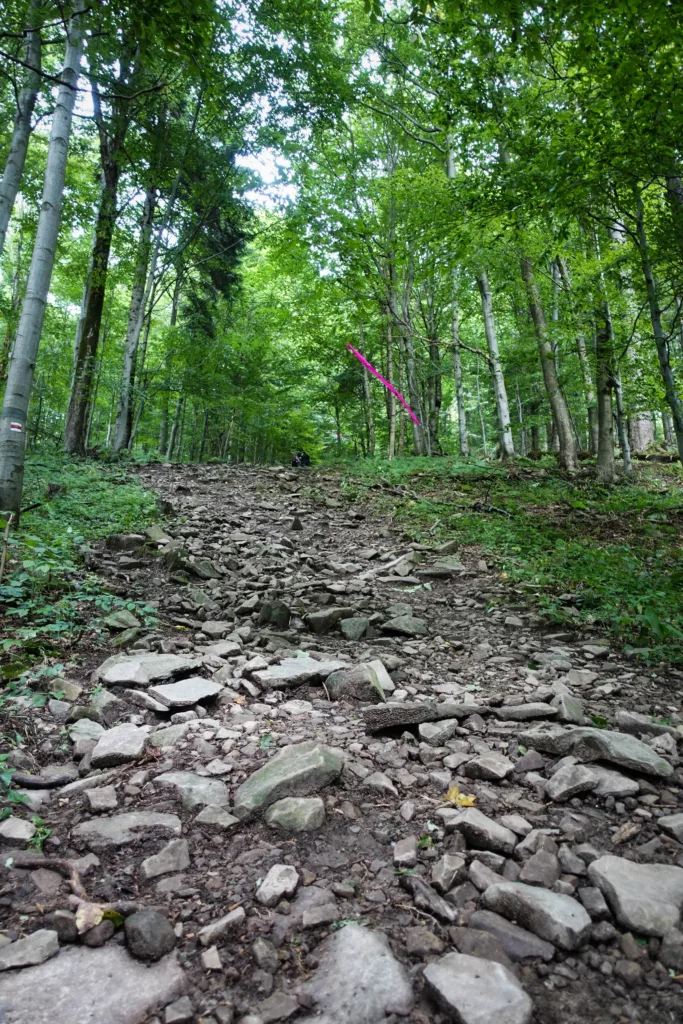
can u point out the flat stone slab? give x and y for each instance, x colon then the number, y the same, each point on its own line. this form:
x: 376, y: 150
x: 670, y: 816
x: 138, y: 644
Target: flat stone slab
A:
x: 280, y: 882
x: 558, y: 919
x: 119, y: 745
x: 672, y: 825
x: 611, y: 783
x: 296, y: 814
x: 525, y: 712
x: 194, y: 790
x: 387, y: 716
x: 481, y: 832
x: 646, y: 898
x: 598, y: 745
x: 358, y: 980
x: 143, y: 669
x: 294, y: 672
x: 121, y: 829
x: 406, y: 625
x: 518, y: 943
x: 477, y: 991
x: 35, y: 948
x: 185, y: 693
x: 297, y: 770
x: 89, y: 986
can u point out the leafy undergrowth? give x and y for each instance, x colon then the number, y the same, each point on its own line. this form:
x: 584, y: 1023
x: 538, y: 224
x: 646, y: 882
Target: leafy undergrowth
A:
x: 579, y: 552
x: 47, y: 596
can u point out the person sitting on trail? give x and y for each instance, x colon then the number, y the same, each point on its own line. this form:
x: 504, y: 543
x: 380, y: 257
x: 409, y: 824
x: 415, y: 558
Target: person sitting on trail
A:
x: 301, y: 458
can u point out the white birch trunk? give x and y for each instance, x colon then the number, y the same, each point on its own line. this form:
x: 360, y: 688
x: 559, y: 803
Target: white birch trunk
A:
x: 22, y: 364
x: 26, y: 101
x: 507, y: 448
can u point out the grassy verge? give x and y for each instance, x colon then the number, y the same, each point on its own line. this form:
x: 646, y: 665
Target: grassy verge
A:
x: 579, y: 552
x: 46, y: 595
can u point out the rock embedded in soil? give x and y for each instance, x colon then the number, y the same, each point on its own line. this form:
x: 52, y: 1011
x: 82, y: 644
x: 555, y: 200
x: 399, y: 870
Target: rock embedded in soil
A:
x: 354, y: 628
x: 185, y: 693
x: 143, y: 668
x: 672, y: 825
x: 121, y: 829
x: 646, y: 898
x: 480, y: 832
x: 17, y: 830
x: 405, y: 625
x: 295, y: 672
x: 149, y: 935
x: 297, y: 770
x: 359, y: 682
x: 228, y: 925
x: 518, y: 943
x: 216, y: 818
x: 296, y: 814
x: 358, y: 980
x: 525, y: 712
x: 120, y: 745
x: 388, y: 716
x: 556, y: 918
x: 491, y: 767
x: 36, y: 948
x: 477, y: 991
x: 598, y: 745
x: 172, y: 858
x: 569, y: 781
x: 280, y: 882
x: 194, y: 790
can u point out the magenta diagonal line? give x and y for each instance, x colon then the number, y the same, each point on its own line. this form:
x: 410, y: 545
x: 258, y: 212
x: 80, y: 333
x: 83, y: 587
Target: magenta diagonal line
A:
x: 371, y: 368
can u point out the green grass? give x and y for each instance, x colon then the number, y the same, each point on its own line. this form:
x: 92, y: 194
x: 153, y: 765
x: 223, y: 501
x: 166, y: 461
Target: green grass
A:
x: 577, y: 551
x: 47, y: 596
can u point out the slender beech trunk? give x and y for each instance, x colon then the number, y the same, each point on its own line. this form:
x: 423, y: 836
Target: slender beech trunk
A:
x: 26, y: 101
x: 174, y: 429
x: 674, y: 194
x: 205, y: 427
x: 13, y: 313
x: 112, y: 140
x: 143, y: 379
x: 163, y: 430
x: 367, y: 395
x: 391, y: 396
x: 661, y: 340
x: 124, y: 412
x: 535, y: 438
x: 507, y: 449
x: 586, y: 373
x: 668, y: 427
x: 604, y: 358
x: 520, y: 417
x: 401, y: 413
x: 463, y: 445
x: 622, y: 428
x: 22, y: 364
x: 482, y: 423
x: 552, y: 385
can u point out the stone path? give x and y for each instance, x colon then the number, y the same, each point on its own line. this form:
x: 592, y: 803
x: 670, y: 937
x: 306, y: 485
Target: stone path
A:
x: 343, y: 784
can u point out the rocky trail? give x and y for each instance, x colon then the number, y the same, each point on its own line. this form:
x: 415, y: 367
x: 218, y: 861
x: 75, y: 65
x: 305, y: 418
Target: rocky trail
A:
x: 336, y: 786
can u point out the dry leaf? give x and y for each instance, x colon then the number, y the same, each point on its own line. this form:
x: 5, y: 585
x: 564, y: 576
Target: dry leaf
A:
x: 87, y: 916
x: 458, y: 799
x: 627, y: 831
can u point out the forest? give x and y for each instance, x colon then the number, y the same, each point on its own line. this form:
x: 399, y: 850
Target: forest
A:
x: 220, y: 224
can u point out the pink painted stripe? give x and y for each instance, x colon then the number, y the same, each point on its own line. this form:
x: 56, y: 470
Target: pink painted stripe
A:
x: 371, y: 368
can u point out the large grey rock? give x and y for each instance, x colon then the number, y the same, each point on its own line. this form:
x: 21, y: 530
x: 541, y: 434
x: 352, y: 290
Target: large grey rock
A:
x: 217, y: 930
x: 185, y: 693
x: 598, y: 745
x: 518, y: 943
x: 477, y: 991
x: 281, y: 881
x: 88, y: 986
x: 569, y: 708
x: 406, y: 625
x: 17, y: 830
x: 358, y: 980
x: 297, y: 770
x: 296, y: 814
x: 481, y: 832
x: 169, y: 736
x: 355, y: 627
x: 172, y: 858
x: 119, y: 745
x: 294, y: 672
x: 611, y: 783
x: 639, y: 725
x: 556, y: 918
x: 646, y: 898
x: 143, y: 668
x: 493, y: 767
x: 326, y: 619
x: 569, y: 781
x: 194, y: 790
x: 121, y: 829
x: 360, y: 682
x: 35, y: 948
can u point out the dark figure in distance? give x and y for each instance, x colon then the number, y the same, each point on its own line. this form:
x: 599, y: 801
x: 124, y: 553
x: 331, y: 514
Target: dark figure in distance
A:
x: 301, y: 459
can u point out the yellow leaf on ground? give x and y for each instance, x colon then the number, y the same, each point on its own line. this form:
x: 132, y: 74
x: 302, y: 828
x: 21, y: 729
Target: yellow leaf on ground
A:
x: 458, y: 799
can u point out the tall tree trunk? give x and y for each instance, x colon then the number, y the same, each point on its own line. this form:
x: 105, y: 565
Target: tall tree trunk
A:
x: 434, y: 395
x: 520, y: 417
x: 142, y: 378
x: 391, y: 396
x: 668, y: 427
x: 163, y: 430
x: 482, y: 423
x: 204, y: 430
x: 674, y: 194
x: 589, y: 391
x: 604, y: 358
x: 463, y: 445
x: 558, y: 405
x: 401, y: 413
x: 174, y: 429
x: 23, y: 360
x: 369, y: 418
x: 112, y: 140
x: 13, y: 313
x: 507, y: 449
x: 26, y: 101
x: 622, y: 429
x: 661, y: 341
x: 124, y: 413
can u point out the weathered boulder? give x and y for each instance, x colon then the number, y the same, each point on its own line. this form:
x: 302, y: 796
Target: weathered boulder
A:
x: 297, y: 770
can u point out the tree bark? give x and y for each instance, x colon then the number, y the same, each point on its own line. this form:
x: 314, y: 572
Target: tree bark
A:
x: 482, y: 423
x: 392, y: 397
x: 621, y: 425
x: 463, y: 445
x: 22, y: 364
x: 174, y: 429
x: 674, y: 195
x: 558, y: 405
x: 124, y: 412
x: 367, y: 395
x: 604, y: 357
x: 112, y: 140
x: 661, y: 341
x: 26, y: 101
x: 668, y: 427
x: 520, y: 417
x: 507, y: 449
